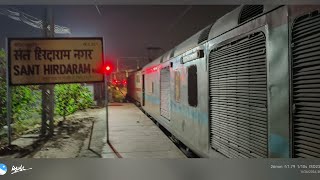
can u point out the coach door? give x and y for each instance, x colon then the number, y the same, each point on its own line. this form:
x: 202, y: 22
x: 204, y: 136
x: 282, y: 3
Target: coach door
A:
x: 165, y: 92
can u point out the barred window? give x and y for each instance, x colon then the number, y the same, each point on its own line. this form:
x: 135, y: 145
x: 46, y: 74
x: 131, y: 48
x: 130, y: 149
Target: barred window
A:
x: 177, y: 85
x: 152, y: 87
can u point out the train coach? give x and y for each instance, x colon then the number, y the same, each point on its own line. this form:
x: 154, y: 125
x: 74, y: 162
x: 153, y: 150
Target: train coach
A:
x: 247, y: 86
x: 134, y: 88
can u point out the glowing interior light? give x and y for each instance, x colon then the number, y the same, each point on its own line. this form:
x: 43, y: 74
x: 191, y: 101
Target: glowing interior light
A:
x: 108, y: 68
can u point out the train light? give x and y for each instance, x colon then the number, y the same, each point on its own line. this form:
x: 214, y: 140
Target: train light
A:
x: 114, y: 82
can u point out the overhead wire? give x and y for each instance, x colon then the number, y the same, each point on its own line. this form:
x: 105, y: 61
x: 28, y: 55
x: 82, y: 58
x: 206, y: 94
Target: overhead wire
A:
x: 18, y: 15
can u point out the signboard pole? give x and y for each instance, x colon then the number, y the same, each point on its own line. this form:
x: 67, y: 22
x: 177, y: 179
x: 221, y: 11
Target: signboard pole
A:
x: 8, y: 100
x: 48, y: 90
x: 51, y: 87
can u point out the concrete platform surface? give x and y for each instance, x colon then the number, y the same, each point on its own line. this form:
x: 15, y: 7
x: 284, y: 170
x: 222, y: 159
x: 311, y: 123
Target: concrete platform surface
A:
x: 133, y: 135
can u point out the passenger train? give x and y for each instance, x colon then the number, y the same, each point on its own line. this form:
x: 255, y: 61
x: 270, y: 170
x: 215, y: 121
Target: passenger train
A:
x: 246, y: 86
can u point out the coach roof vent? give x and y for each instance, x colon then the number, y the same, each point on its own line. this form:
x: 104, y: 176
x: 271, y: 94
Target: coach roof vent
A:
x: 172, y: 54
x: 161, y: 58
x: 204, y: 34
x: 250, y: 11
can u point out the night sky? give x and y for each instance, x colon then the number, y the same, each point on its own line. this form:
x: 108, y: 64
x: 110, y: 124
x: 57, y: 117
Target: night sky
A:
x: 127, y: 30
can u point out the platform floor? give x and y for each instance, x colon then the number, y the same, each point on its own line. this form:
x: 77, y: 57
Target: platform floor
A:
x: 133, y: 135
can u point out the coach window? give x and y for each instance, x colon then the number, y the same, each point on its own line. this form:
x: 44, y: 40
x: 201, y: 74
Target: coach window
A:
x: 192, y: 86
x: 152, y: 87
x: 177, y: 85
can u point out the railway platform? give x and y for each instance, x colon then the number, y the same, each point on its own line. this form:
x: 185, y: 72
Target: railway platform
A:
x: 134, y: 135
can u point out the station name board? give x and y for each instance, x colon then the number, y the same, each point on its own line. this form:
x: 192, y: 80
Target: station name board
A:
x: 54, y: 60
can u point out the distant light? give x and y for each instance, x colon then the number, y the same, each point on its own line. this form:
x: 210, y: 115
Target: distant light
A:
x: 108, y: 68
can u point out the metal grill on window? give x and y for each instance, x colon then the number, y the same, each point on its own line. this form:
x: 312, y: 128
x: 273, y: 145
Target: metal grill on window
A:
x: 306, y: 86
x: 238, y: 98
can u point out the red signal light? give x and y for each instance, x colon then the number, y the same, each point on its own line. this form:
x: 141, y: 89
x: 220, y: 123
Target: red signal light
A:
x: 106, y: 68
